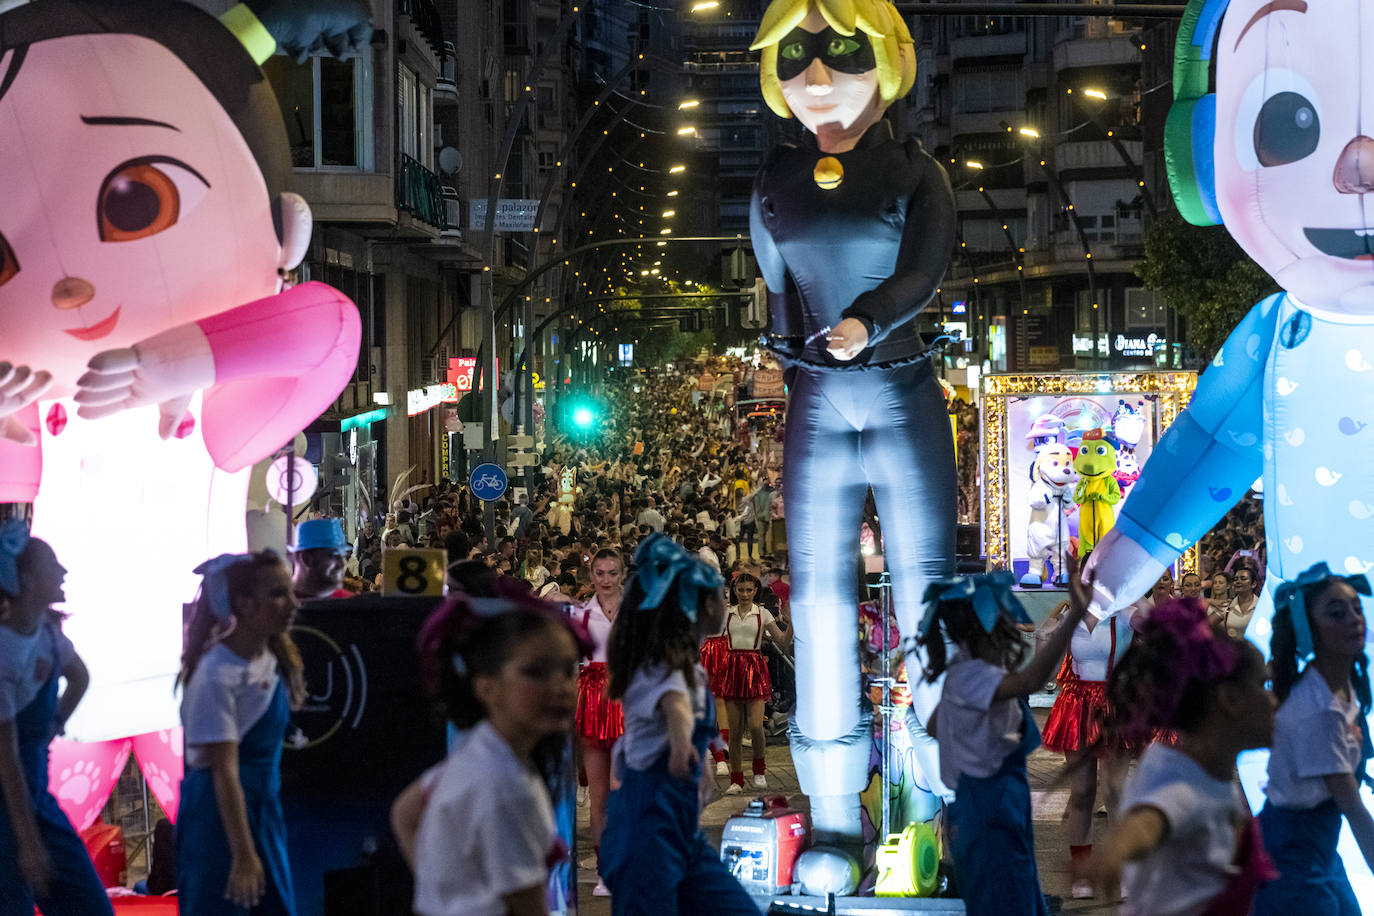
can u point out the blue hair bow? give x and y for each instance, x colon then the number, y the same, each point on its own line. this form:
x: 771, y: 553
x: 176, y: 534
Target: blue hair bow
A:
x: 14, y: 537
x: 989, y: 593
x: 659, y: 561
x: 1290, y: 595
x: 216, y: 586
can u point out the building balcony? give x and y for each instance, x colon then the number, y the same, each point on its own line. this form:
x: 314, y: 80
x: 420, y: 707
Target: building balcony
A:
x: 985, y: 122
x: 446, y: 86
x: 419, y: 194
x: 1073, y: 52
x: 985, y: 46
x: 1007, y: 200
x: 424, y: 18
x: 1095, y: 154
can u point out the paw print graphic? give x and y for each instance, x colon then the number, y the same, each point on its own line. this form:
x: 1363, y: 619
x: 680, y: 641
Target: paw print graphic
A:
x: 159, y: 781
x: 76, y: 783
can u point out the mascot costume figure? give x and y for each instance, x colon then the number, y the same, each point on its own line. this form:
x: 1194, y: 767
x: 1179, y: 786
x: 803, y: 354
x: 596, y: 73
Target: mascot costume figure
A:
x: 1282, y: 155
x: 1051, y: 502
x: 150, y: 352
x: 853, y: 230
x: 1097, y: 491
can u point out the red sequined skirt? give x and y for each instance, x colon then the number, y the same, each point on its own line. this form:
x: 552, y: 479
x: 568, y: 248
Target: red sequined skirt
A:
x: 600, y: 720
x: 713, y: 652
x: 743, y: 676
x: 1075, y: 722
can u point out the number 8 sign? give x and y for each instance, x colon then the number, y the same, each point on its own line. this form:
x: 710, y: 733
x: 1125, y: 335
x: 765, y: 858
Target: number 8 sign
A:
x: 414, y: 571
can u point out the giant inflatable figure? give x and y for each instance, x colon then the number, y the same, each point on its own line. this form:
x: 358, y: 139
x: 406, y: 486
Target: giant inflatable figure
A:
x: 148, y: 352
x: 1282, y: 155
x: 853, y: 230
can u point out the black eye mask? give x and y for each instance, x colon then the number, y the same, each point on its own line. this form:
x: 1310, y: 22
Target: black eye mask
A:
x: 841, y: 53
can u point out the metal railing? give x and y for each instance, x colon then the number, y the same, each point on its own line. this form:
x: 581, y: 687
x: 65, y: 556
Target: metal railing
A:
x: 418, y: 192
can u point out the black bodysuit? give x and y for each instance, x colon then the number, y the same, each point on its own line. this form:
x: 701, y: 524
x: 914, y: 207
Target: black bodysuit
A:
x: 874, y: 248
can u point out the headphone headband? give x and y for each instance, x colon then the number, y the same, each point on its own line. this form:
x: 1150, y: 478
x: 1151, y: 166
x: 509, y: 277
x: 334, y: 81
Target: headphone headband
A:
x: 1197, y: 33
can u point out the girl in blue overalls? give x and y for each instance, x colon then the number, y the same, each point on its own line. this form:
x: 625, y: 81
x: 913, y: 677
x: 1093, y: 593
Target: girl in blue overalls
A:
x: 985, y: 730
x: 654, y: 857
x: 241, y: 675
x: 1321, y: 744
x: 42, y: 860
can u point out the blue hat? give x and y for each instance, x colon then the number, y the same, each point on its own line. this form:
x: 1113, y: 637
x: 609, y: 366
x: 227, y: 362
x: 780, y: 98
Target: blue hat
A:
x: 321, y: 534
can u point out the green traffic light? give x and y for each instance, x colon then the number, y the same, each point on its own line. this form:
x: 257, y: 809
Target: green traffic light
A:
x: 582, y: 417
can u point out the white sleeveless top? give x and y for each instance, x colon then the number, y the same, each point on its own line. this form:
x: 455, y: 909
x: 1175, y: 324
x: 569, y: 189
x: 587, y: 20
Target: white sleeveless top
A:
x: 746, y: 632
x: 1092, y: 650
x: 599, y: 626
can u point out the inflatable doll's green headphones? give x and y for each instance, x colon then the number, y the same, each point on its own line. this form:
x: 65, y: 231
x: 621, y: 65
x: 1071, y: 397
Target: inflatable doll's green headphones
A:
x: 1190, y: 131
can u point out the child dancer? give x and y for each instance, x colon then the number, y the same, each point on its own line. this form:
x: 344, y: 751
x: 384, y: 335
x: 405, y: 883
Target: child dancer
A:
x: 744, y: 684
x: 1321, y: 744
x: 241, y: 675
x: 985, y: 730
x: 1073, y: 727
x: 600, y: 720
x: 42, y: 859
x: 1185, y: 839
x: 479, y: 828
x: 655, y: 857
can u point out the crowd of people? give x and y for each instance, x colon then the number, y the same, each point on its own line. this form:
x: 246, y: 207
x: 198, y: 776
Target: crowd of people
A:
x: 637, y: 602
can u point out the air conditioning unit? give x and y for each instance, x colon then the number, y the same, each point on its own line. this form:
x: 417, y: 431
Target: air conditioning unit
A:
x: 428, y: 368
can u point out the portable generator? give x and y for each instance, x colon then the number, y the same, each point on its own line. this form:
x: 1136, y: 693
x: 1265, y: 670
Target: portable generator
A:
x: 761, y: 845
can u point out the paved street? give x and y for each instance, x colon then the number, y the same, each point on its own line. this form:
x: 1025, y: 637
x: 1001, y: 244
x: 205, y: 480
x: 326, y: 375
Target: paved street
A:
x: 1049, y: 800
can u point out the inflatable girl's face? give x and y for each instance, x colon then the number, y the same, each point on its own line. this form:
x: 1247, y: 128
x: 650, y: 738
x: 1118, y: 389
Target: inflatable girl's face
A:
x: 129, y: 202
x: 826, y: 77
x: 1294, y: 159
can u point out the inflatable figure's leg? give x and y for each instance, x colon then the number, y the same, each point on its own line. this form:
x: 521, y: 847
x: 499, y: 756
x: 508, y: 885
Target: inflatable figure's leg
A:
x: 824, y: 490
x: 908, y: 454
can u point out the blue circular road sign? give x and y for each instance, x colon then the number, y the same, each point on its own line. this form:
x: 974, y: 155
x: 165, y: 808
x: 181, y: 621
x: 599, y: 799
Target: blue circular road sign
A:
x: 487, y: 482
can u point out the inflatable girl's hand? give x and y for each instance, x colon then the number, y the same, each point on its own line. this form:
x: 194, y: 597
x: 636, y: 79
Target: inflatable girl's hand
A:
x: 20, y: 386
x: 847, y: 339
x: 1120, y: 571
x: 167, y: 369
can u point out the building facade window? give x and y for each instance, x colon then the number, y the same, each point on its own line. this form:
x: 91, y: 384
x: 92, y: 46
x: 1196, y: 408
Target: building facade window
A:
x: 414, y: 117
x: 327, y: 106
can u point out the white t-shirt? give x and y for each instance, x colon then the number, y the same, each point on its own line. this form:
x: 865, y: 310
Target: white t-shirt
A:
x: 487, y: 830
x: 1205, y: 817
x: 27, y: 663
x: 225, y: 697
x: 646, y: 728
x: 1316, y: 734
x: 974, y: 733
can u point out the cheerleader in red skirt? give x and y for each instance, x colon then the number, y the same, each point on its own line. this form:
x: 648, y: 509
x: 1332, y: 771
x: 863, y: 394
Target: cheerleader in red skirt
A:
x: 743, y: 683
x: 1075, y: 724
x: 600, y: 721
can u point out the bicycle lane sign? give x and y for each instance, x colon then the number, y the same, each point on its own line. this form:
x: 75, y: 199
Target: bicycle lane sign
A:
x: 487, y: 482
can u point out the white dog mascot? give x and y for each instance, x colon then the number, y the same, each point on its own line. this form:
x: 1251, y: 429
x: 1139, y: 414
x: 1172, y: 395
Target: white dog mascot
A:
x: 1050, y: 501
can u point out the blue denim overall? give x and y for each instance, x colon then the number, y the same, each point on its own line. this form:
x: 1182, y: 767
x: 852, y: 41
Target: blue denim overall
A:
x: 73, y: 886
x: 203, y: 855
x: 654, y: 857
x: 992, y: 840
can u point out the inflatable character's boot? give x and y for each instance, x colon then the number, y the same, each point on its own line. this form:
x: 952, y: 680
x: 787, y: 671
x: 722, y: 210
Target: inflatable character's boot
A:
x: 832, y: 773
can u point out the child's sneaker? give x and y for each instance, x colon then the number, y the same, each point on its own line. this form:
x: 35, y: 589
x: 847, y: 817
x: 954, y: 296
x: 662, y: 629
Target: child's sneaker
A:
x: 722, y: 768
x: 759, y: 781
x: 734, y: 789
x: 601, y: 890
x: 1082, y: 889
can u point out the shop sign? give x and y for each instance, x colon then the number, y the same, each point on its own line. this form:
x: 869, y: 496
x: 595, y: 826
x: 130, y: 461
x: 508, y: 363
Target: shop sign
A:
x: 460, y: 372
x: 418, y: 400
x: 768, y: 383
x: 414, y: 571
x: 1137, y: 346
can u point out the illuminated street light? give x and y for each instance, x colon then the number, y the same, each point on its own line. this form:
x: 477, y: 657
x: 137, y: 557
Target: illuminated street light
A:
x: 665, y: 232
x: 974, y: 164
x: 668, y: 214
x: 1095, y: 94
x: 1029, y: 132
x: 705, y: 5
x: 688, y: 103
x: 682, y: 168
x: 686, y: 131
x: 672, y: 193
